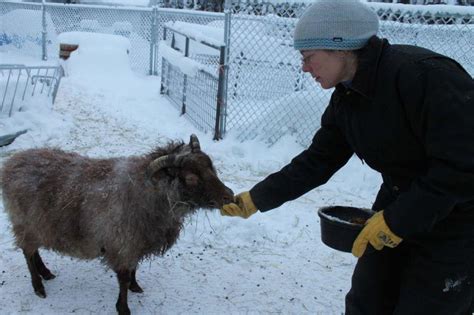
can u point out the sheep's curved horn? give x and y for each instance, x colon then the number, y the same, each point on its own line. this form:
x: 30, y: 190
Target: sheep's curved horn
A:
x: 194, y: 143
x: 161, y: 162
x: 171, y: 160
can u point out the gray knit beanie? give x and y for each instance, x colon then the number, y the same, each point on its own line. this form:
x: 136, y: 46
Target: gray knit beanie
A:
x: 335, y: 24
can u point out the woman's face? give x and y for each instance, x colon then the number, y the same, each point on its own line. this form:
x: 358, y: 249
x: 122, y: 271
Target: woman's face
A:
x: 328, y: 67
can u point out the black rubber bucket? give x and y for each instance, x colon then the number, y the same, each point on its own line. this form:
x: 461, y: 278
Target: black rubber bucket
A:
x: 341, y: 225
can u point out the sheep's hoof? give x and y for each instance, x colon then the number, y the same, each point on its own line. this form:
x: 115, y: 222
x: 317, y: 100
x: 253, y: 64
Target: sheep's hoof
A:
x: 49, y: 276
x: 122, y: 309
x: 41, y: 293
x: 134, y: 287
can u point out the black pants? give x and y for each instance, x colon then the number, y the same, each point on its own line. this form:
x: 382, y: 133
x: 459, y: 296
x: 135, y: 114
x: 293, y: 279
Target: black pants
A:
x: 429, y: 276
x: 414, y: 280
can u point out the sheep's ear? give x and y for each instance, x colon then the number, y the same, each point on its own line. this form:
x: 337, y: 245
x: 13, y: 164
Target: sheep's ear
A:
x: 191, y: 179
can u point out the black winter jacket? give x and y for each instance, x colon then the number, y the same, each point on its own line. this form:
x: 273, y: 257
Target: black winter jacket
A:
x: 409, y: 113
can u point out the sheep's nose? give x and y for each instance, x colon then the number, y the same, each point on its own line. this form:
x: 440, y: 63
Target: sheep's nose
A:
x: 229, y: 196
x: 227, y: 199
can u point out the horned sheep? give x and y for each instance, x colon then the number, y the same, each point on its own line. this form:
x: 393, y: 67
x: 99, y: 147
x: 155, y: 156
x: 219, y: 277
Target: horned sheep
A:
x: 121, y: 210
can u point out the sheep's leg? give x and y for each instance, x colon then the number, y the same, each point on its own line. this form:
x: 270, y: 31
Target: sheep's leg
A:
x: 35, y: 276
x: 134, y: 287
x: 124, y: 279
x: 42, y: 269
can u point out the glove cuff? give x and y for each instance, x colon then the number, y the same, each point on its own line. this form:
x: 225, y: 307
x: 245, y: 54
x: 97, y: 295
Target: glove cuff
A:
x: 389, y: 231
x: 248, y: 202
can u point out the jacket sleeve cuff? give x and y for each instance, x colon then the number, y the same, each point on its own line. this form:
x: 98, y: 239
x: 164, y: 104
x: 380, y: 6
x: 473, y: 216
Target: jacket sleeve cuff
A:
x: 417, y: 211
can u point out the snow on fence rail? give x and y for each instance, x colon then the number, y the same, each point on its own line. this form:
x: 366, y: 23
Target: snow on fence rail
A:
x: 266, y: 95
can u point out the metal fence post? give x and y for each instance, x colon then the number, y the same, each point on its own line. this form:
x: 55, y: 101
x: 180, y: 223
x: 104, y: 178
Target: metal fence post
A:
x: 220, y: 108
x: 44, y: 31
x: 185, y: 78
x: 153, y: 61
x: 221, y: 113
x: 162, y: 85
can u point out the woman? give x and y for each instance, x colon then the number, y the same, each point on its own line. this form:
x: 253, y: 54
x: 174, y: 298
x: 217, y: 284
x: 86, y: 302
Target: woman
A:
x: 409, y: 113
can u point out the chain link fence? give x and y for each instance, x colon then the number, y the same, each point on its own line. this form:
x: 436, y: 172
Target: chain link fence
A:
x: 22, y: 28
x: 267, y: 94
x: 132, y: 23
x: 449, y: 32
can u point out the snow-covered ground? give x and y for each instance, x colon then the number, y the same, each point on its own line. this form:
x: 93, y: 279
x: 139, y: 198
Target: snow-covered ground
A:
x: 270, y: 263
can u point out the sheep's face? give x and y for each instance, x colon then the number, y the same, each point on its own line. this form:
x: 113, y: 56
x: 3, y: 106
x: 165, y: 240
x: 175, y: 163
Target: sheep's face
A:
x: 200, y: 183
x: 193, y: 175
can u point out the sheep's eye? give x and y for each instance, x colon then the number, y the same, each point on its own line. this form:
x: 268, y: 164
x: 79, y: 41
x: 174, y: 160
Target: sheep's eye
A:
x: 191, y: 179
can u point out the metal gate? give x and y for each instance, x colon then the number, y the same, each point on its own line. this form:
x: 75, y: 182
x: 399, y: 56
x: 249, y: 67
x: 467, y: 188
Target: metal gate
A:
x: 195, y: 86
x: 19, y: 82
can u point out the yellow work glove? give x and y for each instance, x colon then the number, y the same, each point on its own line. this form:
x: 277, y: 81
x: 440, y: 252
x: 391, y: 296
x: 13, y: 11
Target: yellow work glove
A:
x: 377, y: 233
x: 243, y: 206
